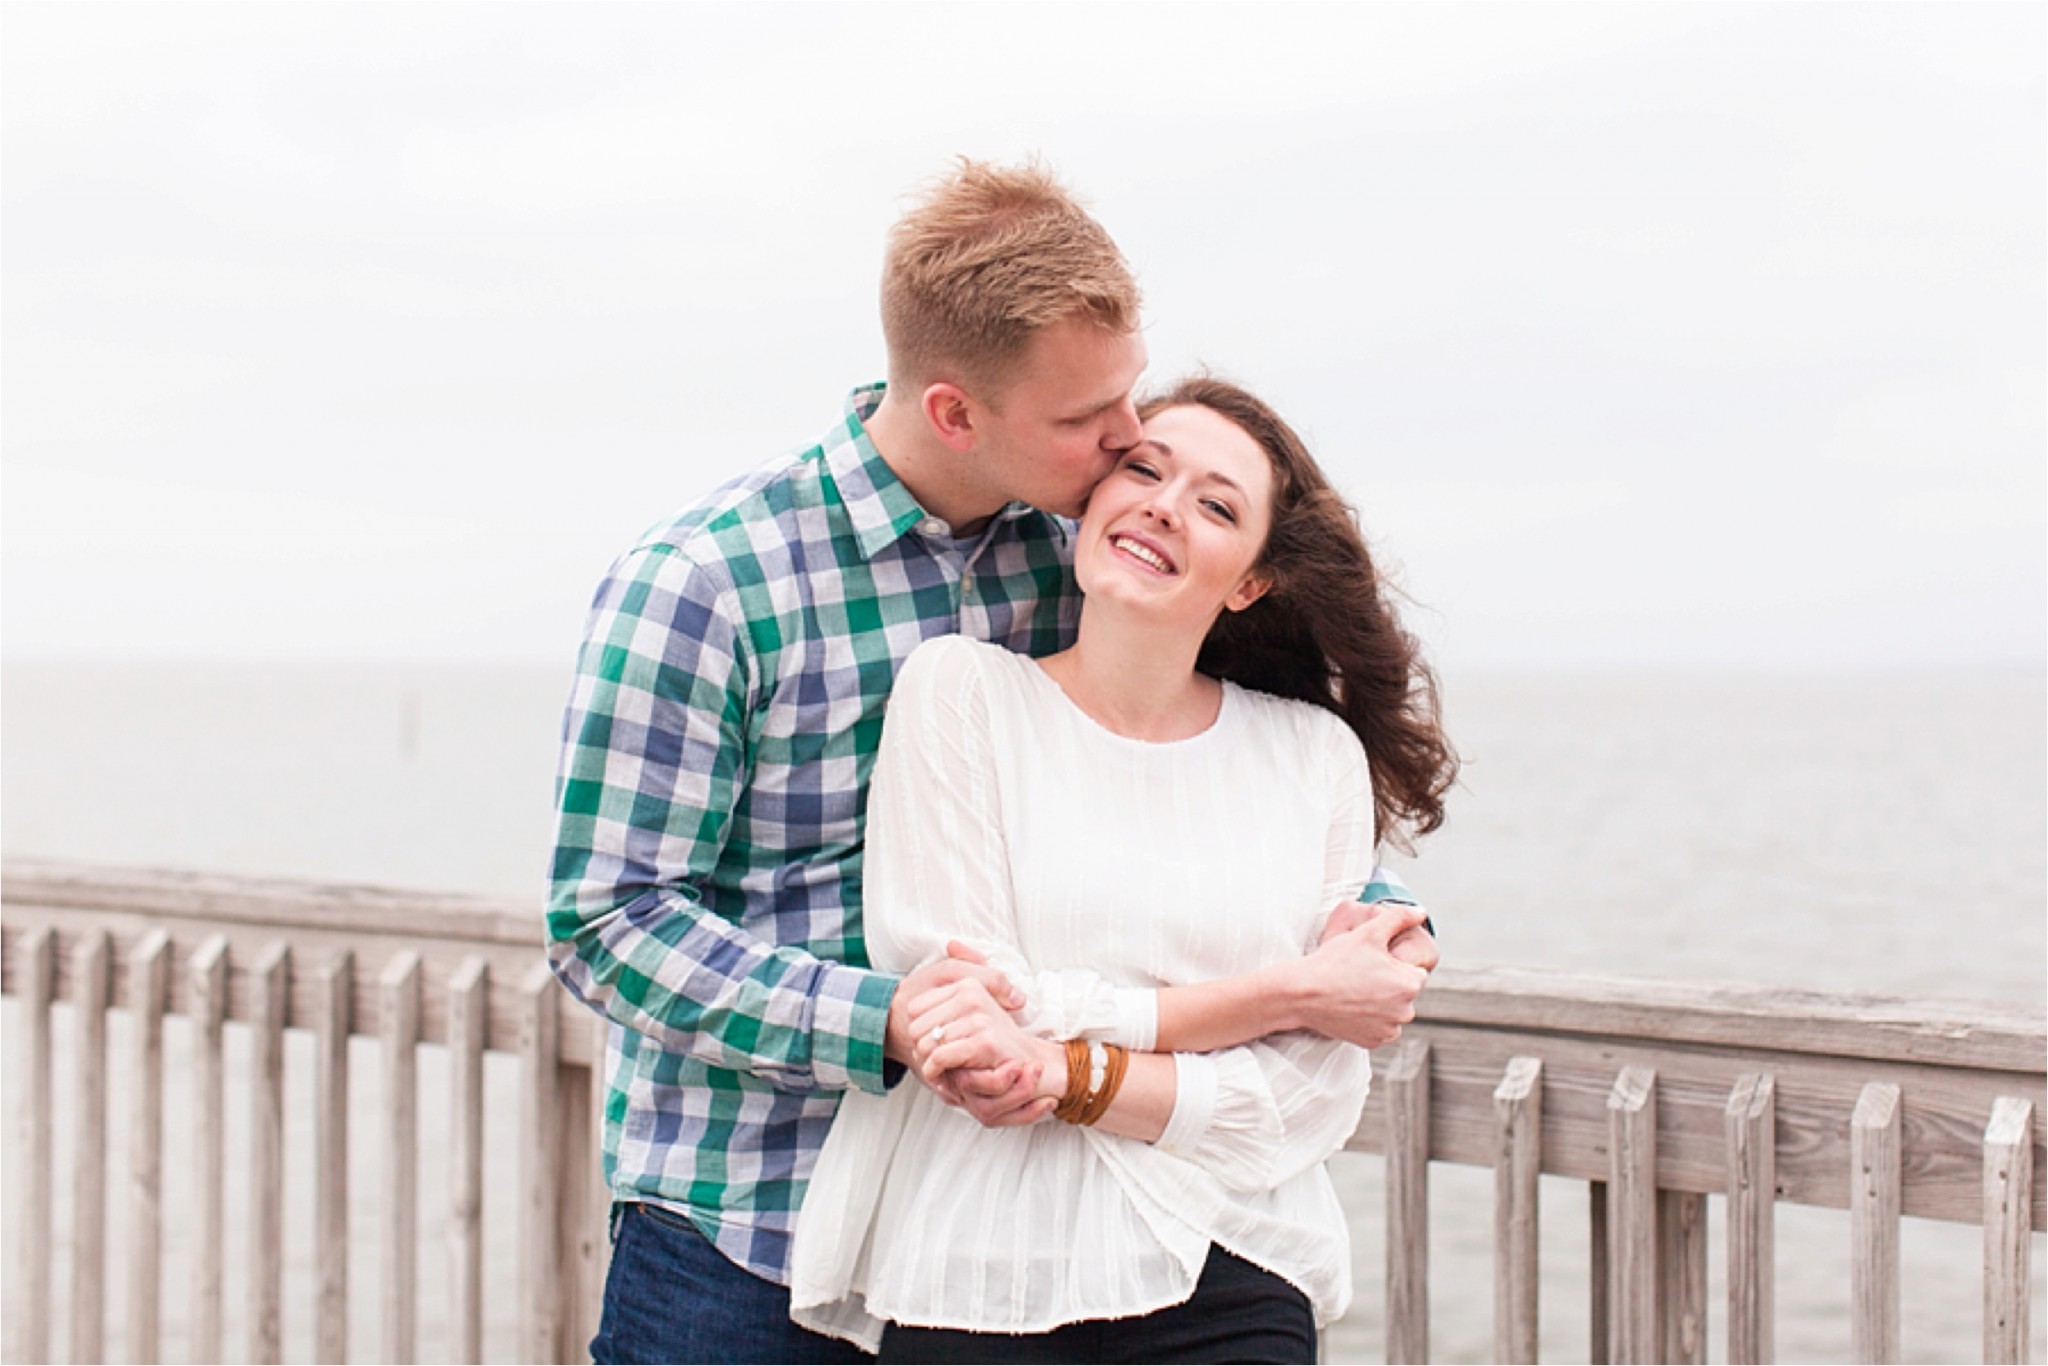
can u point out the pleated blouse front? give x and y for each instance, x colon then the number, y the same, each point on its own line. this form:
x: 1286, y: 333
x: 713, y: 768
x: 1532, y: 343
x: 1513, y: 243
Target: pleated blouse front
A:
x: 1093, y: 869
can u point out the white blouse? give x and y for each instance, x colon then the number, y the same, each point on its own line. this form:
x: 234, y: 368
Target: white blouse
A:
x: 1092, y: 869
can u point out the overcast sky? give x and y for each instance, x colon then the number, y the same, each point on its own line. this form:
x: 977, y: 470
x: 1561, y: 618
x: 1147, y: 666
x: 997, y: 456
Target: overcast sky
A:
x: 1652, y: 334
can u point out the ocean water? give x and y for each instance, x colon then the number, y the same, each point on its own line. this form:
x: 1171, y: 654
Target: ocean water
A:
x: 1871, y: 833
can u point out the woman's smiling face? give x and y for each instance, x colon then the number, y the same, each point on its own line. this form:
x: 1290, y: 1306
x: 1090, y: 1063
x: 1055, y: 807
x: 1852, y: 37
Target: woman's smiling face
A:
x: 1178, y: 527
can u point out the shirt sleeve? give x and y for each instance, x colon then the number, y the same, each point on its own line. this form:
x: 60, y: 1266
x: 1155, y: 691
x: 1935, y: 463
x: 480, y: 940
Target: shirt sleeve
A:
x: 938, y: 863
x: 654, y: 755
x: 1256, y: 1116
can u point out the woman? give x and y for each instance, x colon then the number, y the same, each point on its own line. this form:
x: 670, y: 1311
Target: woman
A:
x: 1181, y: 796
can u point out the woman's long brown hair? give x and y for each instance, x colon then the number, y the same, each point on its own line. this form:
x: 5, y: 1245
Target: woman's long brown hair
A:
x: 1325, y: 631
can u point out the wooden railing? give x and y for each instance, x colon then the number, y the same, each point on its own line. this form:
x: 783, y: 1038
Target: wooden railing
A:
x: 1660, y: 1096
x: 406, y: 969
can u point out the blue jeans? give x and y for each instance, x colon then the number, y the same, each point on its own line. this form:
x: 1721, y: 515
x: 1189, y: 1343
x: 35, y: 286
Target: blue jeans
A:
x: 671, y: 1296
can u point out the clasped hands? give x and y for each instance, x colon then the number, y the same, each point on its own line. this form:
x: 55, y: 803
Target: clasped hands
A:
x: 953, y: 1023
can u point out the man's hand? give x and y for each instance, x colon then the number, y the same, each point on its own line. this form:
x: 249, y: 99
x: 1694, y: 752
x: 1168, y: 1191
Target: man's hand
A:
x: 1413, y: 946
x: 1353, y: 987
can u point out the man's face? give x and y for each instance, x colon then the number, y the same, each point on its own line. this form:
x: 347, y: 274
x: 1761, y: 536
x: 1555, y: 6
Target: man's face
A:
x: 1059, y: 425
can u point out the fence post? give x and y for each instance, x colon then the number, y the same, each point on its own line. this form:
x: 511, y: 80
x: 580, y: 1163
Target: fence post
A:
x: 2008, y: 1219
x: 332, y: 1025
x: 469, y: 1014
x: 270, y: 982
x: 1750, y: 1122
x: 1407, y: 1084
x: 581, y: 1216
x: 209, y: 1147
x: 1874, y: 1224
x: 1632, y: 1213
x: 1682, y: 1276
x: 540, y: 1130
x: 1518, y: 1110
x: 92, y: 977
x: 31, y: 1250
x: 399, y: 1005
x: 149, y: 981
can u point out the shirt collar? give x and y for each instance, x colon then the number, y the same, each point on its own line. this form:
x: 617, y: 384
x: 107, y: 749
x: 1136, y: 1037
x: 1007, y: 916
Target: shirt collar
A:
x: 878, y: 504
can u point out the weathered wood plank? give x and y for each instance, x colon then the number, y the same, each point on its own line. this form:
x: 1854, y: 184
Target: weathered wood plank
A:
x: 1874, y: 1225
x: 469, y: 1006
x: 1998, y: 1035
x: 599, y: 1225
x: 581, y: 1229
x: 1682, y: 1276
x: 540, y: 1328
x: 1752, y: 1202
x: 209, y: 973
x: 1632, y: 1215
x: 149, y: 973
x: 269, y: 903
x: 89, y: 1150
x: 330, y: 1157
x: 1406, y: 1082
x: 1518, y: 1107
x: 1943, y: 1135
x: 2008, y: 1173
x: 399, y: 993
x: 272, y: 975
x: 37, y: 988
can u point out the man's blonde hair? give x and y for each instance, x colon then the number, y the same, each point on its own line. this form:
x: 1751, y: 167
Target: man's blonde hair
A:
x: 987, y: 257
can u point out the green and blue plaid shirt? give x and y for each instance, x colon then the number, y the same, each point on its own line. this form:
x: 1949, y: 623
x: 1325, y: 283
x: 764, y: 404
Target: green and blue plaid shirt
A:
x: 705, y: 890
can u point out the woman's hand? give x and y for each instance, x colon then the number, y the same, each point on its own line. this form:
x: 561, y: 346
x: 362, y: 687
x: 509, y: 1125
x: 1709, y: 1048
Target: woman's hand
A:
x: 1354, y: 987
x: 1413, y: 946
x: 968, y: 1049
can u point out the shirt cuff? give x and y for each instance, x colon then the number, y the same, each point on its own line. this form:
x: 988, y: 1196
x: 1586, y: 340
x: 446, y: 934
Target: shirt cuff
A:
x: 1137, y: 1018
x: 1194, y: 1104
x: 849, y: 1023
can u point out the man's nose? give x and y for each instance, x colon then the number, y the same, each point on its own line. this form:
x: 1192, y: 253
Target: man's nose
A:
x: 1123, y: 430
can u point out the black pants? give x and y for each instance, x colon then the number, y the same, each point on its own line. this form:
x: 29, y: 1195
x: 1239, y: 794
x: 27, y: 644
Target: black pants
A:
x: 1237, y: 1313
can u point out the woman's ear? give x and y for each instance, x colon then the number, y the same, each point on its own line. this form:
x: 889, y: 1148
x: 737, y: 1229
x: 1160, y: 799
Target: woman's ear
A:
x: 950, y: 414
x: 1249, y: 590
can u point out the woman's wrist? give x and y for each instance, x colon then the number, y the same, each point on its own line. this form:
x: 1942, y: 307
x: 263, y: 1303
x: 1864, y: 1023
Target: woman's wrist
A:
x: 1282, y: 993
x: 1052, y: 1060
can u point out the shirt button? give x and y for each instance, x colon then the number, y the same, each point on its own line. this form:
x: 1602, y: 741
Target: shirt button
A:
x: 932, y: 526
x: 967, y: 583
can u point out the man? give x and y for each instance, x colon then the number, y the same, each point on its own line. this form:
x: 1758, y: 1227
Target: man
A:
x: 729, y: 698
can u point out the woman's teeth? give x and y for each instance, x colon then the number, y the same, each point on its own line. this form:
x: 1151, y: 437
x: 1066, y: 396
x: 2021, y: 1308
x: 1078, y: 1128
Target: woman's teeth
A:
x: 1139, y: 550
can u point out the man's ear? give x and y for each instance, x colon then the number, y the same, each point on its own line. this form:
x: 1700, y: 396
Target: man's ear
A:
x: 950, y: 414
x: 1248, y: 591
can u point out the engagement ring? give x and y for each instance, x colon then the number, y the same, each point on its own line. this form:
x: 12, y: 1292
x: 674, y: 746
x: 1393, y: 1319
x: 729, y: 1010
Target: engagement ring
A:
x: 938, y: 1034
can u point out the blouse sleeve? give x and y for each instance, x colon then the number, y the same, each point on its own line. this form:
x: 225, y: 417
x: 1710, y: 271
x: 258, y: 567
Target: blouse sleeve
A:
x: 1255, y: 1116
x: 938, y: 864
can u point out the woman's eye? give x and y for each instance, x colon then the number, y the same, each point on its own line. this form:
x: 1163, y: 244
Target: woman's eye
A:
x: 1222, y: 510
x: 1142, y: 470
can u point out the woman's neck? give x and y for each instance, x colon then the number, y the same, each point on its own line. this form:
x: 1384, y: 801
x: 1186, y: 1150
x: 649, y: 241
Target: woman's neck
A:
x: 1134, y: 682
